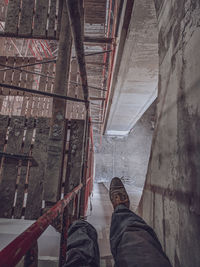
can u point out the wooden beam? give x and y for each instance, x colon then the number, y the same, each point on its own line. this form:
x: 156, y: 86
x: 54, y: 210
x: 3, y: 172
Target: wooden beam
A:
x: 75, y: 155
x: 76, y: 22
x: 36, y: 177
x: 44, y: 93
x: 9, y: 172
x: 58, y: 123
x: 97, y: 98
x: 98, y: 40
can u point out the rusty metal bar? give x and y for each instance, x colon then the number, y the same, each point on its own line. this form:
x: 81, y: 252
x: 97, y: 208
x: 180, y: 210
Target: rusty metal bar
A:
x: 32, y: 91
x: 13, y: 253
x: 44, y: 75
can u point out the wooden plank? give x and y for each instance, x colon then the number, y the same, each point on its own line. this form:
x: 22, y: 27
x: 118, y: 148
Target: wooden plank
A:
x: 59, y: 18
x: 52, y: 19
x: 75, y: 159
x: 56, y: 143
x: 9, y: 173
x: 12, y: 18
x: 54, y: 163
x: 3, y: 130
x: 24, y: 74
x: 23, y: 84
x: 42, y: 87
x: 75, y: 155
x: 24, y: 170
x: 40, y: 20
x: 26, y: 20
x: 43, y: 80
x: 29, y: 84
x: 29, y: 81
x: 2, y: 11
x: 48, y: 88
x: 16, y: 75
x: 8, y: 75
x: 49, y: 80
x: 36, y: 178
x: 73, y: 78
x: 1, y: 102
x: 2, y: 61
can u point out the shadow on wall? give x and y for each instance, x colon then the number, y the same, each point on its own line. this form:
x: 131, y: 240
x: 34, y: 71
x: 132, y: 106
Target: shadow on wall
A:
x: 171, y: 199
x: 127, y: 157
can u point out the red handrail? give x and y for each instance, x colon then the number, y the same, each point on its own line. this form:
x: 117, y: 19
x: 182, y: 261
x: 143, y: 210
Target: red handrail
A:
x: 13, y: 253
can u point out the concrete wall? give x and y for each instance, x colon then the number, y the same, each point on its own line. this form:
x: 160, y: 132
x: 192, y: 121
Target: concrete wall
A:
x: 127, y: 157
x: 135, y: 84
x: 171, y: 198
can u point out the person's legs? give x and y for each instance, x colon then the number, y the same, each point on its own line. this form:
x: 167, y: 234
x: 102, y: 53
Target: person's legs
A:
x: 132, y: 241
x: 82, y: 246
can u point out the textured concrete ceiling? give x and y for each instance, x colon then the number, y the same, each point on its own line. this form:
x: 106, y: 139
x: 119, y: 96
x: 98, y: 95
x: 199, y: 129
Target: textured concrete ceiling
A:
x: 136, y: 86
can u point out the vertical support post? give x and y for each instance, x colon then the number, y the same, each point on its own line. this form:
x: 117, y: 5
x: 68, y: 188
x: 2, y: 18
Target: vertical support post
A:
x: 75, y: 158
x: 58, y: 122
x: 31, y: 257
x: 73, y: 179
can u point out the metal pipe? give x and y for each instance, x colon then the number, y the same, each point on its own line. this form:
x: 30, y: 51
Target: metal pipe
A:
x: 27, y: 65
x: 13, y: 253
x: 32, y: 91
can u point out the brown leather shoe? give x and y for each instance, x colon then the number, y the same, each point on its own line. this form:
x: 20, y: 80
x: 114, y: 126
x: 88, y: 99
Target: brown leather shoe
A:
x: 118, y: 194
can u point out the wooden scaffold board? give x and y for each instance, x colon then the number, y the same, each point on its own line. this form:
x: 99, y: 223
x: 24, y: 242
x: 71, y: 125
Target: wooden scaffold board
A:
x: 23, y: 147
x: 33, y: 19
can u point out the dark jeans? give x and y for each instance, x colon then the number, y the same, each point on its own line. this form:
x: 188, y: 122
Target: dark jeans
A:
x: 133, y: 243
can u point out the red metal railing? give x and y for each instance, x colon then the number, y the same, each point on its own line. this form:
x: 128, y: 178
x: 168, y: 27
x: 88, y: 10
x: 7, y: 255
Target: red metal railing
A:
x: 13, y: 253
x: 18, y: 248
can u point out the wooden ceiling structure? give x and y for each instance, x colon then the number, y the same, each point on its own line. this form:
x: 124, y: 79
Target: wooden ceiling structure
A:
x: 56, y: 64
x: 30, y: 35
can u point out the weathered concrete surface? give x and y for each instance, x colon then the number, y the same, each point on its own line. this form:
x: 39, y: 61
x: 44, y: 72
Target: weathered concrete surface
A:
x: 136, y: 86
x: 127, y: 157
x: 171, y: 198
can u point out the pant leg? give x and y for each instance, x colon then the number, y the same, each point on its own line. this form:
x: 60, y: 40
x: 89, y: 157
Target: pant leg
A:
x: 82, y: 246
x: 133, y: 242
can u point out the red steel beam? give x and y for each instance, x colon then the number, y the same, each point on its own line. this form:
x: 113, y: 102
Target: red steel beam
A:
x: 13, y: 253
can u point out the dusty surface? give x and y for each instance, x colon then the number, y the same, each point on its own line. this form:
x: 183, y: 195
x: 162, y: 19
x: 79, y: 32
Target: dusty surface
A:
x: 172, y: 191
